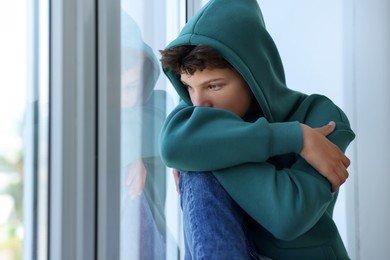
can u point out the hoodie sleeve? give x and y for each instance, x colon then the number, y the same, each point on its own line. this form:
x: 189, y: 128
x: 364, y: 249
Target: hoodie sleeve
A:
x: 290, y: 201
x: 204, y: 139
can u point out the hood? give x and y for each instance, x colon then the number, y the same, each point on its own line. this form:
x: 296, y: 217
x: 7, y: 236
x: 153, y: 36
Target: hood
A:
x: 236, y: 29
x: 140, y: 122
x: 135, y: 52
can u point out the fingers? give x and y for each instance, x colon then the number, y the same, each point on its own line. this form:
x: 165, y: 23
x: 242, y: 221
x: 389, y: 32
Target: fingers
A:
x: 324, y: 155
x: 176, y: 175
x: 346, y: 161
x: 339, y: 177
x: 136, y: 177
x: 343, y: 158
x: 326, y: 129
x: 334, y: 166
x: 336, y: 182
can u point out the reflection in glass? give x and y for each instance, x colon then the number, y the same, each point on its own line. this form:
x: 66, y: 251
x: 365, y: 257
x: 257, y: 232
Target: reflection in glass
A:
x: 143, y: 177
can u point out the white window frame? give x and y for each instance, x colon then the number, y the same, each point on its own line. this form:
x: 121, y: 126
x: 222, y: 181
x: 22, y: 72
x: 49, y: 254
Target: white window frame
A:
x: 108, y: 243
x: 72, y: 202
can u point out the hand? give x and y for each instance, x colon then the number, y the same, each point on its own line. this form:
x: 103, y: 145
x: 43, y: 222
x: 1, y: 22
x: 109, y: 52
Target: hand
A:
x: 323, y: 155
x: 176, y: 175
x: 136, y: 177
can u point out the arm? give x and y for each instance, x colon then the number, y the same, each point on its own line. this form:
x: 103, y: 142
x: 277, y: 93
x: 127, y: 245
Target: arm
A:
x: 202, y: 138
x: 290, y: 201
x: 324, y: 155
x: 329, y: 160
x: 287, y: 202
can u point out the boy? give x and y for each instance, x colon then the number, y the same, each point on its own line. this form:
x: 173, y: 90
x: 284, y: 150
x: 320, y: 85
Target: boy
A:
x: 250, y: 161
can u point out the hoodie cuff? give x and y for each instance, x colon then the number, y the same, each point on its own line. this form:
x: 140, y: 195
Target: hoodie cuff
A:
x: 287, y: 138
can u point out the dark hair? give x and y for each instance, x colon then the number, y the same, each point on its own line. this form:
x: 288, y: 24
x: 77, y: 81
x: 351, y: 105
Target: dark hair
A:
x: 190, y: 58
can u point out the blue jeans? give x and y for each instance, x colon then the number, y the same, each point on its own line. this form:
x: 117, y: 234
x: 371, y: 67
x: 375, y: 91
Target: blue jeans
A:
x: 214, y: 225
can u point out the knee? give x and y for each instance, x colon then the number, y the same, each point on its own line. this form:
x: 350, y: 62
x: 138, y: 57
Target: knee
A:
x: 197, y: 181
x: 203, y: 187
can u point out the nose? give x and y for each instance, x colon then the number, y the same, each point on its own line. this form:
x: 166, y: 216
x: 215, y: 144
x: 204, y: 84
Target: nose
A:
x: 200, y: 100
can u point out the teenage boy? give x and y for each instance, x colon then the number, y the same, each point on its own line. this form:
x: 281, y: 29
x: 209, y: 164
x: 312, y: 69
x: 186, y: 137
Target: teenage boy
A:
x: 252, y: 153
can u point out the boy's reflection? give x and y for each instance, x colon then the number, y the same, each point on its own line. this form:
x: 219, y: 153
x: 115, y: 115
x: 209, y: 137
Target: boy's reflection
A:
x: 143, y: 226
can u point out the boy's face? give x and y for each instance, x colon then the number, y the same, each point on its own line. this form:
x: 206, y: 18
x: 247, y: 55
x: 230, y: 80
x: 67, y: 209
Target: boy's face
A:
x: 220, y: 88
x: 131, y: 86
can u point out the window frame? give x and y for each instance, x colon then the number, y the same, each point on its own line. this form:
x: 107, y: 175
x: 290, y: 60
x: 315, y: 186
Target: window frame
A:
x: 72, y: 162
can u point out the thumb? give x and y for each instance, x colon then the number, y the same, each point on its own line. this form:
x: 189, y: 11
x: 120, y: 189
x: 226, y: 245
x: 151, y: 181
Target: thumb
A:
x: 327, y: 129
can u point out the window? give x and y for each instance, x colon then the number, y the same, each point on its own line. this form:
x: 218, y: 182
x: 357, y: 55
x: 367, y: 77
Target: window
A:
x: 149, y: 211
x: 23, y: 134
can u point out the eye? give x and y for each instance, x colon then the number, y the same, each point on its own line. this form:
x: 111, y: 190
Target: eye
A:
x: 214, y: 87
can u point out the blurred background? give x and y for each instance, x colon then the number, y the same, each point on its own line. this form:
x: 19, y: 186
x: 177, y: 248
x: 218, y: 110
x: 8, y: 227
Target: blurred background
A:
x: 13, y: 79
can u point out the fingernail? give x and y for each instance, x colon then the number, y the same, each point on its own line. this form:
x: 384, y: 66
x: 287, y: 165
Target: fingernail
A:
x: 331, y: 123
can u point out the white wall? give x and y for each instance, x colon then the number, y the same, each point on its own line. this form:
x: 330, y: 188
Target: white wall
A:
x: 368, y: 82
x: 309, y: 37
x: 342, y: 49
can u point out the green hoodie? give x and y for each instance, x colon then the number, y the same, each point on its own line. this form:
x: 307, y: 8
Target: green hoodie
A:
x: 258, y: 161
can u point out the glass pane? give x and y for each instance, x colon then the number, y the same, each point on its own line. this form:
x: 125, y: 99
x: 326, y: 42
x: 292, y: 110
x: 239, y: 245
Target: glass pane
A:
x: 23, y: 129
x: 13, y: 80
x: 150, y: 213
